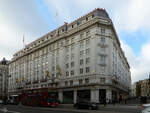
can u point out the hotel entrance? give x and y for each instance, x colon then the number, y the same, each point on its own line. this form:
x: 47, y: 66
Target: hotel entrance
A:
x: 68, y: 97
x: 83, y: 95
x: 102, y: 96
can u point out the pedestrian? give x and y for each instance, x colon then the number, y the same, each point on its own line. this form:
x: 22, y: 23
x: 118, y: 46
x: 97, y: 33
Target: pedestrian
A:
x: 104, y: 102
x: 107, y: 101
x: 114, y: 101
x: 125, y: 101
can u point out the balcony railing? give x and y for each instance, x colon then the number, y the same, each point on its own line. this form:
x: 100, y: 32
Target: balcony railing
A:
x: 43, y: 80
x: 35, y: 82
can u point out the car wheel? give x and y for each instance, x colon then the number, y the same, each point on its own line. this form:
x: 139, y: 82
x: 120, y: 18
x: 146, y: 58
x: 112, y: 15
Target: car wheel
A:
x: 90, y: 108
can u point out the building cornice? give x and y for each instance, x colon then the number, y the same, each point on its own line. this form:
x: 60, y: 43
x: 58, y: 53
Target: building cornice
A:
x: 81, y: 27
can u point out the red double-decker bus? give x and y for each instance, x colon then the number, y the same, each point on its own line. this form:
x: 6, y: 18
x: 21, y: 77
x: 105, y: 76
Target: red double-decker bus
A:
x: 39, y: 99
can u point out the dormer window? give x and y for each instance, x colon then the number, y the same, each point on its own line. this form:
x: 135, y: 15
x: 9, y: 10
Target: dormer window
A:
x: 62, y: 30
x: 72, y: 26
x: 79, y: 22
x: 92, y: 15
x: 86, y: 18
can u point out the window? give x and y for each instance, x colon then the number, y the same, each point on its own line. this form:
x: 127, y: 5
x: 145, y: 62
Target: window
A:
x: 102, y: 40
x: 81, y: 44
x: 72, y: 73
x: 80, y: 81
x: 72, y: 26
x: 87, y: 69
x: 103, y: 49
x: 81, y: 61
x: 81, y: 53
x: 72, y: 64
x: 67, y: 73
x: 71, y: 82
x: 87, y: 60
x: 86, y: 18
x: 92, y: 15
x: 102, y: 59
x: 102, y: 80
x: 66, y: 83
x: 102, y: 31
x: 72, y: 56
x: 67, y: 42
x: 53, y: 68
x: 87, y: 41
x: 81, y: 36
x: 67, y: 49
x: 87, y: 51
x: 72, y: 47
x: 81, y: 70
x: 67, y: 57
x: 78, y: 23
x: 61, y: 43
x: 72, y: 40
x: 87, y: 33
x: 87, y: 80
x: 67, y: 65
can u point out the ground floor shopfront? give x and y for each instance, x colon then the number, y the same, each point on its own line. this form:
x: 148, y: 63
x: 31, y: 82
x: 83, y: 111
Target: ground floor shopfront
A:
x: 93, y: 94
x: 69, y: 95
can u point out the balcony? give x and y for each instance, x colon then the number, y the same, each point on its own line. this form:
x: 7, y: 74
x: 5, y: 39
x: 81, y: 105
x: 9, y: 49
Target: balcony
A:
x: 35, y: 82
x: 28, y: 83
x: 43, y: 80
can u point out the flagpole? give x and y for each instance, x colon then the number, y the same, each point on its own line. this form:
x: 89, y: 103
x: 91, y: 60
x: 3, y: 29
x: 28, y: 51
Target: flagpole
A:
x: 23, y: 42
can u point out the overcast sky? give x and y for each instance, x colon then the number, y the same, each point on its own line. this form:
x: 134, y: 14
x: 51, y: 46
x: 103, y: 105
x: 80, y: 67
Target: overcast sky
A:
x: 34, y: 18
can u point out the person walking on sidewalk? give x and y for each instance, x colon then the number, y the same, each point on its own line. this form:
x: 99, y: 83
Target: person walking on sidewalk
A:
x: 114, y: 101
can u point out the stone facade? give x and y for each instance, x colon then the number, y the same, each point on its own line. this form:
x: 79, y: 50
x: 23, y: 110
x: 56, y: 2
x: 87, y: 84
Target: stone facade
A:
x: 3, y: 78
x: 82, y: 59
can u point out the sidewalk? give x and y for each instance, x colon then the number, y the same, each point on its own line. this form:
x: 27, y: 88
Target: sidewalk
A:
x: 70, y: 106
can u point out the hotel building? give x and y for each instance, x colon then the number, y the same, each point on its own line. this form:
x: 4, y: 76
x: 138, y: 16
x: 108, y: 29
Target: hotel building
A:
x: 78, y: 60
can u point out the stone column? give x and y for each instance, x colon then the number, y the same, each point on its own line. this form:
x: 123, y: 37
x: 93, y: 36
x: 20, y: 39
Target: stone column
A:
x: 108, y: 95
x: 75, y: 96
x: 95, y: 95
x: 60, y: 96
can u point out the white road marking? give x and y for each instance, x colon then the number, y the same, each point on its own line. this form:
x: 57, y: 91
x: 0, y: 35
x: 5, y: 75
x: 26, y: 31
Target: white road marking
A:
x: 5, y: 110
x: 13, y: 112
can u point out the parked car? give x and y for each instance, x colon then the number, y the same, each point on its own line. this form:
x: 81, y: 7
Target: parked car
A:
x: 12, y: 102
x: 1, y: 101
x: 49, y: 103
x: 144, y: 106
x: 86, y: 105
x: 146, y: 110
